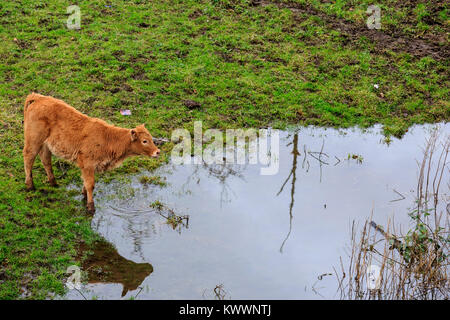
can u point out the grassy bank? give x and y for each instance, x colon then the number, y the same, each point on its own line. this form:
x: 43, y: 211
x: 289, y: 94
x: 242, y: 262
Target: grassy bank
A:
x: 244, y: 63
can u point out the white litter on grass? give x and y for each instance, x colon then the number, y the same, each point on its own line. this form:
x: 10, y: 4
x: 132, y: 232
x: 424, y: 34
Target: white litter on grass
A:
x: 125, y: 112
x: 376, y: 86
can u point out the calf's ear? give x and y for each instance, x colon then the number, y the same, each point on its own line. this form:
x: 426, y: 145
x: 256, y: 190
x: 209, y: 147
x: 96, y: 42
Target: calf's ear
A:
x: 134, y: 135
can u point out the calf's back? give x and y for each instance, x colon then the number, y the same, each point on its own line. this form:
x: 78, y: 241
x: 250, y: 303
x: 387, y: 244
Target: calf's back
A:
x: 69, y: 133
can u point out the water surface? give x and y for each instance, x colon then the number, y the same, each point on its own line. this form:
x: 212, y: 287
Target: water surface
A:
x: 261, y: 237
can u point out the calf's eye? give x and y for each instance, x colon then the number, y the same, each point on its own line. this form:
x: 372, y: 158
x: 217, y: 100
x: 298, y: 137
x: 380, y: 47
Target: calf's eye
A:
x: 145, y: 141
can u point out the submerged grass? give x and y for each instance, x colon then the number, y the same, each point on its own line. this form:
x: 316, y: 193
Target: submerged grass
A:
x: 243, y: 63
x: 172, y: 219
x: 154, y: 180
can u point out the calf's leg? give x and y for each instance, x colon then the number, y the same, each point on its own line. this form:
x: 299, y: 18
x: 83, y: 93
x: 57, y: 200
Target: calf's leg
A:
x: 30, y: 152
x: 88, y: 187
x: 46, y: 158
x: 84, y: 193
x: 35, y: 134
x: 28, y: 160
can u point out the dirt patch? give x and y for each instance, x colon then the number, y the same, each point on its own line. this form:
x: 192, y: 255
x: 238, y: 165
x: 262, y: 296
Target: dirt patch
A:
x: 139, y: 75
x: 22, y: 44
x: 225, y: 56
x: 194, y: 15
x: 143, y: 25
x: 191, y: 104
x: 383, y: 42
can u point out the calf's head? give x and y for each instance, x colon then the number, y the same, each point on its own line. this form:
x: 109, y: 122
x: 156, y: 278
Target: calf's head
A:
x: 142, y: 142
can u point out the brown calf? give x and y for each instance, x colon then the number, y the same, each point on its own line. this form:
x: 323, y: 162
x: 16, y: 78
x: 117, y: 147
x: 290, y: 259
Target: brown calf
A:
x: 53, y: 127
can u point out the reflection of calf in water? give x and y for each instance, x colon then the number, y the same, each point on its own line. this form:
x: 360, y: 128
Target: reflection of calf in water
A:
x: 105, y: 265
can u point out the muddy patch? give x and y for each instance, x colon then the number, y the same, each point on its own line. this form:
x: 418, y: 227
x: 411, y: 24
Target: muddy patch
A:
x: 436, y: 48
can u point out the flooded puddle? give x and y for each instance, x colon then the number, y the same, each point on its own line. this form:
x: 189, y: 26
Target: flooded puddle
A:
x: 253, y: 236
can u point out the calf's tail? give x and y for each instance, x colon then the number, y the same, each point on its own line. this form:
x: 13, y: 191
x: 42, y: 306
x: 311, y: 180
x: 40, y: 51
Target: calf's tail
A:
x: 29, y: 100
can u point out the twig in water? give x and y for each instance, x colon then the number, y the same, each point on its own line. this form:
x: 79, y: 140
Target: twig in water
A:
x: 138, y: 292
x: 81, y: 293
x: 402, y: 196
x: 337, y: 160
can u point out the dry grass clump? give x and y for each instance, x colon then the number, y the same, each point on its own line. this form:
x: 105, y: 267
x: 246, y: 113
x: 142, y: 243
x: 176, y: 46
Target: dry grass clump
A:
x: 385, y: 264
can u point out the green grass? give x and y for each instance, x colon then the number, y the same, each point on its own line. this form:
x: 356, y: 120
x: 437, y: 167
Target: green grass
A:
x: 247, y: 66
x: 154, y: 180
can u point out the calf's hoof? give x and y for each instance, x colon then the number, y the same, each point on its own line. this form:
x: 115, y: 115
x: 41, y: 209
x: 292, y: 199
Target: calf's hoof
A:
x: 30, y: 187
x: 90, y: 208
